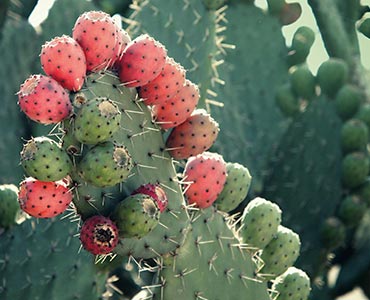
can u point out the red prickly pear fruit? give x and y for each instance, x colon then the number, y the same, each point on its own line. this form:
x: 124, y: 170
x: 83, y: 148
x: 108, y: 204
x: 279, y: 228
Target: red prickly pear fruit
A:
x: 206, y: 174
x: 177, y: 109
x: 99, y: 235
x: 44, y: 100
x: 196, y: 135
x: 156, y: 192
x: 98, y: 36
x: 123, y: 40
x: 142, y: 61
x: 63, y: 59
x: 166, y: 85
x: 44, y: 199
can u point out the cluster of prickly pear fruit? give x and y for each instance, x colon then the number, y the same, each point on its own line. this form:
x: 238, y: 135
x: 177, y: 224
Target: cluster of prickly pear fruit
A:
x: 94, y: 161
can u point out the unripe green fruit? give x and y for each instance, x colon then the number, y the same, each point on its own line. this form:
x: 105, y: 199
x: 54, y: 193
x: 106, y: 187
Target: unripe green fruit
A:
x: 280, y: 253
x: 302, y: 42
x: 275, y: 6
x: 9, y: 206
x: 348, y: 101
x: 136, y: 216
x: 236, y: 187
x: 96, y: 121
x: 332, y: 233
x: 363, y: 114
x: 45, y: 160
x: 351, y: 210
x: 293, y: 284
x: 364, y: 191
x: 303, y: 82
x: 105, y: 165
x: 260, y: 221
x: 354, y: 135
x: 332, y: 75
x: 287, y: 101
x: 355, y: 168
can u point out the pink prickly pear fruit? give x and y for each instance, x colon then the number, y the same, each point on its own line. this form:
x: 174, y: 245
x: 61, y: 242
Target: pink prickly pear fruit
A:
x: 142, y: 61
x: 99, y: 235
x: 156, y: 192
x: 206, y: 175
x: 44, y: 100
x: 176, y: 110
x: 166, y: 85
x: 44, y: 199
x: 194, y: 136
x: 63, y: 59
x: 98, y: 36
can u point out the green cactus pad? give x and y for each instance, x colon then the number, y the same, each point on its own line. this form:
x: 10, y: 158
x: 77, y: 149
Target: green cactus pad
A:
x: 355, y: 168
x: 293, y: 284
x: 152, y: 164
x: 280, y: 253
x: 38, y: 259
x: 348, y: 101
x: 96, y: 121
x: 332, y: 233
x: 9, y: 207
x: 305, y: 177
x: 332, y: 75
x: 105, y: 165
x: 135, y: 216
x: 45, y: 160
x: 364, y: 27
x: 246, y: 134
x: 211, y: 255
x: 236, y: 187
x: 260, y: 220
x: 354, y: 135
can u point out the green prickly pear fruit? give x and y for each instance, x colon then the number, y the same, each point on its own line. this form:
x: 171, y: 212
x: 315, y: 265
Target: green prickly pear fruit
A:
x: 293, y: 284
x: 105, y: 164
x: 303, y: 82
x: 332, y: 233
x: 275, y: 6
x: 9, y: 207
x: 364, y: 27
x: 236, y: 187
x: 302, y: 42
x: 280, y: 253
x: 364, y: 191
x: 351, y: 210
x: 136, y: 216
x: 363, y: 114
x: 260, y: 221
x: 213, y: 4
x: 355, y: 168
x: 354, y: 135
x: 332, y: 75
x: 348, y: 101
x: 45, y: 160
x: 96, y: 121
x: 287, y: 101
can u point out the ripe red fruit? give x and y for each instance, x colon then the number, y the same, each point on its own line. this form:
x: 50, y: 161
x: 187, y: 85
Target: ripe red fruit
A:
x: 206, y: 174
x: 63, y: 59
x: 44, y: 100
x: 156, y: 192
x: 42, y: 199
x: 196, y: 135
x: 166, y: 85
x: 98, y: 36
x: 99, y: 235
x: 176, y: 110
x: 142, y: 61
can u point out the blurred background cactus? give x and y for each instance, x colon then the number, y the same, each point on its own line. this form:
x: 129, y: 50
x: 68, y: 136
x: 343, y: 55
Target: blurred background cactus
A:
x: 287, y: 83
